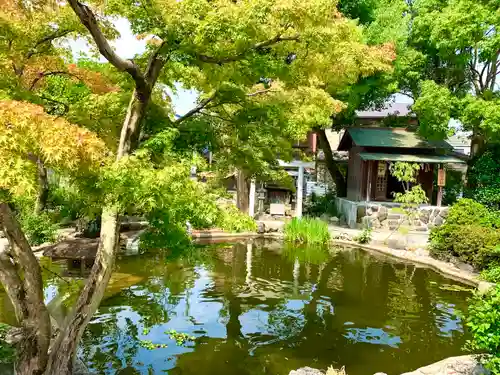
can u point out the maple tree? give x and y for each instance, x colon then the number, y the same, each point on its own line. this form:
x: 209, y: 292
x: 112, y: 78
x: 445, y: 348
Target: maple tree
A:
x: 305, y: 50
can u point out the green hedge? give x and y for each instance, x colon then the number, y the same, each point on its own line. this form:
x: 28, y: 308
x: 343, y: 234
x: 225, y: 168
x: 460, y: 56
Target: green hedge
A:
x: 471, y: 233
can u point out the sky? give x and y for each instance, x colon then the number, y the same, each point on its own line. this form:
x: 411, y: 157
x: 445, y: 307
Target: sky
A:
x: 127, y: 46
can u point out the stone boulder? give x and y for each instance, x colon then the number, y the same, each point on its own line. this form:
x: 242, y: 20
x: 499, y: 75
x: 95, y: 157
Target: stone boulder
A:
x: 462, y: 365
x: 383, y: 212
x: 397, y: 242
x: 334, y: 220
x: 306, y: 371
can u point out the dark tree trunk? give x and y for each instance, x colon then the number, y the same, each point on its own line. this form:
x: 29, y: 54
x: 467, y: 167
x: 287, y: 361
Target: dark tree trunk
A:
x: 22, y: 280
x: 43, y: 187
x: 242, y: 191
x: 478, y: 144
x: 332, y: 165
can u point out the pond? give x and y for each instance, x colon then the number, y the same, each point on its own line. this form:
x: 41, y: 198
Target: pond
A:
x: 265, y: 308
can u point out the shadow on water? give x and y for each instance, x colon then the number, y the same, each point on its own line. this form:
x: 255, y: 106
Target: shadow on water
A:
x: 266, y: 308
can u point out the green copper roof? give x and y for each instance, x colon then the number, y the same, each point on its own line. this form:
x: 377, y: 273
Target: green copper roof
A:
x: 387, y: 137
x: 445, y: 159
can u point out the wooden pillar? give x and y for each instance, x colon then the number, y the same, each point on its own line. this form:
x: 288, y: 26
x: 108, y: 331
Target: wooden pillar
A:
x: 251, y: 199
x: 300, y: 191
x: 369, y: 180
x: 441, y: 182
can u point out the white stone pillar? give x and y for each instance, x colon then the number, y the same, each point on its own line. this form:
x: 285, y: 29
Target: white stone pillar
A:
x: 251, y: 199
x: 296, y: 274
x: 300, y: 192
x: 248, y: 277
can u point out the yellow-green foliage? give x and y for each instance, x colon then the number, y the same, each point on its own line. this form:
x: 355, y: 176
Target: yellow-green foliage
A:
x: 28, y: 134
x: 231, y: 219
x: 307, y: 230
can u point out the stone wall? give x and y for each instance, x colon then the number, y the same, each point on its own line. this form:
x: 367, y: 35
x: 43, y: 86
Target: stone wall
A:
x: 388, y: 215
x: 380, y: 216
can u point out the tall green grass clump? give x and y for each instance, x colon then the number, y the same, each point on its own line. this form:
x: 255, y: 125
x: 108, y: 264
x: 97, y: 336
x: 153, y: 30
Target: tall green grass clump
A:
x: 307, y: 230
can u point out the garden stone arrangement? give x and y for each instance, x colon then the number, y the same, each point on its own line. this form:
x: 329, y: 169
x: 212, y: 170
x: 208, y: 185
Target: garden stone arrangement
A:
x: 379, y: 216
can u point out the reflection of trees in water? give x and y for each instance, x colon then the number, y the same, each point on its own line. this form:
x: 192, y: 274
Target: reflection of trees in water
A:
x: 311, y: 313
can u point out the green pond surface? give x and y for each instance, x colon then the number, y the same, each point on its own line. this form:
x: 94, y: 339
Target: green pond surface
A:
x: 267, y: 308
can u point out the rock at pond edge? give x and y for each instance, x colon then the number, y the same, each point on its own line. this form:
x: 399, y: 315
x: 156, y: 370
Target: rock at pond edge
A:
x: 306, y: 371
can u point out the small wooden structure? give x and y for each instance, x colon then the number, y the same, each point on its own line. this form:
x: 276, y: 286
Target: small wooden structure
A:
x: 372, y: 149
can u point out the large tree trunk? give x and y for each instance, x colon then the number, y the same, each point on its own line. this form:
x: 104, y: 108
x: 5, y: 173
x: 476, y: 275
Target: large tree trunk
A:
x: 242, y: 191
x: 62, y: 352
x: 43, y: 187
x: 21, y: 276
x: 478, y: 144
x: 332, y: 165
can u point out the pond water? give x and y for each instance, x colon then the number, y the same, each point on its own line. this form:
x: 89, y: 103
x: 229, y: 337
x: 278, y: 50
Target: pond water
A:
x: 265, y: 308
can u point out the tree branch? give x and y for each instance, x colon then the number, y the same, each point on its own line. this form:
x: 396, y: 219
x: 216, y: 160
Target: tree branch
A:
x: 260, y: 92
x: 49, y: 38
x: 155, y: 65
x: 197, y: 109
x: 222, y: 60
x: 54, y: 73
x: 89, y: 20
x: 28, y: 264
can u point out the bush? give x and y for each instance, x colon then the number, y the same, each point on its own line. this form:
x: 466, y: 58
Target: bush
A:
x: 321, y: 205
x: 484, y: 324
x: 73, y: 203
x: 469, y: 212
x: 231, y: 219
x: 364, y: 237
x: 470, y: 234
x: 307, y: 230
x: 492, y: 273
x: 38, y: 228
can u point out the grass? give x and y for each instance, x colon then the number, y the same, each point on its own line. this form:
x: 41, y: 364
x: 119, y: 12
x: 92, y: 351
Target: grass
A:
x: 307, y: 230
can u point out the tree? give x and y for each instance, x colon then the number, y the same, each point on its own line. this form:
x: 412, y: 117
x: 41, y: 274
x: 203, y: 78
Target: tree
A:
x: 35, y: 69
x: 463, y: 35
x: 207, y: 46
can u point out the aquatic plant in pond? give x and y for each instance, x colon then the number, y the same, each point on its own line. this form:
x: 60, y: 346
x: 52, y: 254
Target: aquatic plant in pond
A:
x: 307, y: 230
x: 179, y: 337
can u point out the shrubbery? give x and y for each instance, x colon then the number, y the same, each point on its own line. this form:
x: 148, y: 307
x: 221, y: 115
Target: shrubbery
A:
x: 307, y: 230
x: 470, y: 234
x: 321, y: 205
x: 231, y: 219
x: 484, y: 324
x: 38, y: 228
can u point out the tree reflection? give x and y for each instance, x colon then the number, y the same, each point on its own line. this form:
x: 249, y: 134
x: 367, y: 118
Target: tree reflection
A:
x: 261, y: 309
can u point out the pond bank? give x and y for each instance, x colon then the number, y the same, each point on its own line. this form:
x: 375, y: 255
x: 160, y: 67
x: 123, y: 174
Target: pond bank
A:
x: 343, y: 236
x: 461, y: 365
x: 417, y: 255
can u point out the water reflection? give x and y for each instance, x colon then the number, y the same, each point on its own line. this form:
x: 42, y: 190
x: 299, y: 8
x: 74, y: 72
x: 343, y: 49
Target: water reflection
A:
x: 264, y: 308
